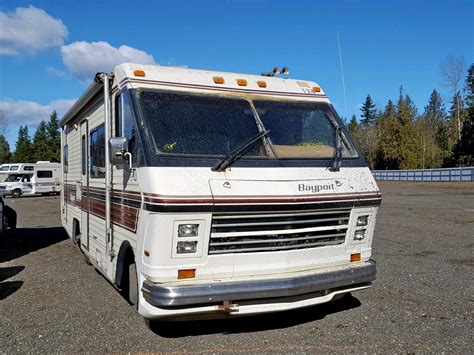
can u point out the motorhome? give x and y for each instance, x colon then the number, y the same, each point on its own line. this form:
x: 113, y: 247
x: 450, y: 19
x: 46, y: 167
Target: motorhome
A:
x: 200, y: 193
x: 26, y: 179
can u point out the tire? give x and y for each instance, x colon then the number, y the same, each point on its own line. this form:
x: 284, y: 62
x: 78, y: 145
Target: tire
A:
x: 16, y: 193
x: 132, y: 284
x: 9, y: 218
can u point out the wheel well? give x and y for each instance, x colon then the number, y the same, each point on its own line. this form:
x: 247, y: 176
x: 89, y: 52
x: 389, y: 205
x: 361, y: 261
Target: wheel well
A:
x: 124, y: 259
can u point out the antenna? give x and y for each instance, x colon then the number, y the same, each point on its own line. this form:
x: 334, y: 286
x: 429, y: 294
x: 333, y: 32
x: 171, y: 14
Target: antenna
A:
x: 342, y: 72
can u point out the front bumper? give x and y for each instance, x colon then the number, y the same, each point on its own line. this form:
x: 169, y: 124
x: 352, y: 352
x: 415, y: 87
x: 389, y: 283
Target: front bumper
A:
x: 160, y: 295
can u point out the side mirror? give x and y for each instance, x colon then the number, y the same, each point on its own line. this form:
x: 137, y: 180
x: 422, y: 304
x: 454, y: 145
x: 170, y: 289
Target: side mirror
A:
x: 118, y: 149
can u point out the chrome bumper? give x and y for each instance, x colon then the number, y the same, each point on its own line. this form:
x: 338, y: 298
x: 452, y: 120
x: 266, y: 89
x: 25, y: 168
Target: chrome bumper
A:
x: 160, y: 295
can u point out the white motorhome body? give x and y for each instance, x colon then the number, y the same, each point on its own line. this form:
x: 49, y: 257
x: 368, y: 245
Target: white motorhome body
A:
x: 202, y: 192
x: 26, y: 179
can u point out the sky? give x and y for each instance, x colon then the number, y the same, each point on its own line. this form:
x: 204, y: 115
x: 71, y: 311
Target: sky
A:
x: 50, y: 50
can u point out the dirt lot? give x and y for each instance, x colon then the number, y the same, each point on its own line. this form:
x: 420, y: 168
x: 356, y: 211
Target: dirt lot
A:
x: 422, y: 301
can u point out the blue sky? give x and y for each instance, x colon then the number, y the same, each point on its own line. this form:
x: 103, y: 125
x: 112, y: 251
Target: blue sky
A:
x: 48, y: 52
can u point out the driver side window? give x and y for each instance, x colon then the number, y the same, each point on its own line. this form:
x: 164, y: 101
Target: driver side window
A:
x: 124, y: 122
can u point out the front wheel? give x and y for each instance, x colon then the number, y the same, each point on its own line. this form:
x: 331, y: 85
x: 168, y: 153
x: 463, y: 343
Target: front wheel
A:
x: 16, y: 193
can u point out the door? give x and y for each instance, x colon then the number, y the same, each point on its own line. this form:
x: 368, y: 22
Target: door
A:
x: 83, y: 186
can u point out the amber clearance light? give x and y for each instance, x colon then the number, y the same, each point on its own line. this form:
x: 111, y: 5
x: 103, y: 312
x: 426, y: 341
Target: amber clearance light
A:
x: 187, y: 274
x: 355, y: 257
x: 138, y: 72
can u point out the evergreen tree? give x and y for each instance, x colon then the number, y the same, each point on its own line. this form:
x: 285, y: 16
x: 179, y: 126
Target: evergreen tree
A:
x: 389, y: 154
x: 4, y: 150
x: 23, y: 152
x: 41, y: 148
x: 368, y: 112
x: 353, y: 125
x: 53, y: 138
x: 463, y: 151
x: 410, y: 152
x: 431, y: 126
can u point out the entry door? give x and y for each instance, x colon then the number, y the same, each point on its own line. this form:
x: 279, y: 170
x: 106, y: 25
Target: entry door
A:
x: 84, y: 186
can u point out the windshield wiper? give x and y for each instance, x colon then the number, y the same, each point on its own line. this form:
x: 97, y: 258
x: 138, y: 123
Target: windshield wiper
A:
x: 237, y: 153
x: 335, y: 163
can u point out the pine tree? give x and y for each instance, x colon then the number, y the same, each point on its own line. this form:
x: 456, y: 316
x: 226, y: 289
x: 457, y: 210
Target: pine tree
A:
x: 353, y: 125
x: 23, y: 152
x: 53, y: 138
x: 368, y: 112
x: 463, y: 151
x: 4, y: 150
x: 41, y: 149
x: 431, y: 126
x: 389, y: 154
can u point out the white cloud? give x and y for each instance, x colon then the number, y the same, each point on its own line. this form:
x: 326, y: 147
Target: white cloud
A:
x: 22, y: 112
x: 29, y: 29
x: 85, y: 59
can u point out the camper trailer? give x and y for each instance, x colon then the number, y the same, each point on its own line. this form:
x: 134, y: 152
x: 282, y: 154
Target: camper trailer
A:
x: 200, y: 193
x: 26, y: 179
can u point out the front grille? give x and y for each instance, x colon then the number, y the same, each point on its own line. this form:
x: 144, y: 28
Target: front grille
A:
x: 3, y: 187
x: 246, y: 233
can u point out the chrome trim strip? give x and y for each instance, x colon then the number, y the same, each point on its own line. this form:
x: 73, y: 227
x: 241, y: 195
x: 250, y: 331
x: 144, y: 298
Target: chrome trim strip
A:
x: 160, y: 295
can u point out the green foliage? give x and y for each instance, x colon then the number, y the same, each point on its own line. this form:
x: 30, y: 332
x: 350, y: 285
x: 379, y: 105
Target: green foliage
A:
x: 463, y: 150
x: 41, y: 147
x: 53, y: 138
x: 5, y: 154
x: 24, y: 152
x: 368, y: 112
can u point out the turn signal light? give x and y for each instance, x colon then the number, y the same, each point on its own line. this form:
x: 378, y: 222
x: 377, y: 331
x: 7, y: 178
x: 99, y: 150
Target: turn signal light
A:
x: 218, y: 79
x: 316, y: 89
x: 241, y: 82
x: 355, y: 257
x: 261, y: 84
x: 138, y: 72
x: 187, y: 274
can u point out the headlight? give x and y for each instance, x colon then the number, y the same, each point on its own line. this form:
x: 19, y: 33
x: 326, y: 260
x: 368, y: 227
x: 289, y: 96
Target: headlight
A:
x: 359, y: 234
x: 188, y: 230
x: 186, y: 247
x: 362, y: 221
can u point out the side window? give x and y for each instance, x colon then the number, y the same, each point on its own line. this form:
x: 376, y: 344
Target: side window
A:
x: 44, y: 174
x: 124, y: 126
x: 124, y: 116
x: 97, y: 152
x: 65, y: 158
x: 28, y: 168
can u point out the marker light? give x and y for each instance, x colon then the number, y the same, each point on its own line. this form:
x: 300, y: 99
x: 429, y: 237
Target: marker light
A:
x: 241, y: 82
x: 187, y: 274
x: 316, y: 89
x: 261, y: 84
x: 362, y: 220
x: 188, y: 230
x: 138, y: 72
x: 355, y: 257
x: 186, y: 247
x: 218, y: 79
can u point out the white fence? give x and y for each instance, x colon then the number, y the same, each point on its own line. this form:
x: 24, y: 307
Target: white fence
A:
x: 447, y: 174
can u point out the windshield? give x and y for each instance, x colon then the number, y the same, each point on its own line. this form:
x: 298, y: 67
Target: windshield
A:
x: 301, y: 129
x: 13, y: 178
x: 199, y: 125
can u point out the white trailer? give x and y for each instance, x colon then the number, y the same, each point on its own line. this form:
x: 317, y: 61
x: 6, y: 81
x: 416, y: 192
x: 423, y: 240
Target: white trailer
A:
x: 198, y: 192
x: 27, y: 179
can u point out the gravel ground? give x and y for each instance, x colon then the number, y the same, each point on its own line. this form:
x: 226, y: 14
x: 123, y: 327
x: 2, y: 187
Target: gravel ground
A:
x: 422, y: 301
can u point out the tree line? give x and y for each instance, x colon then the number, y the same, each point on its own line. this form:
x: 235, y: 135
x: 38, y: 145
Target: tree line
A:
x: 400, y: 137
x: 45, y: 145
